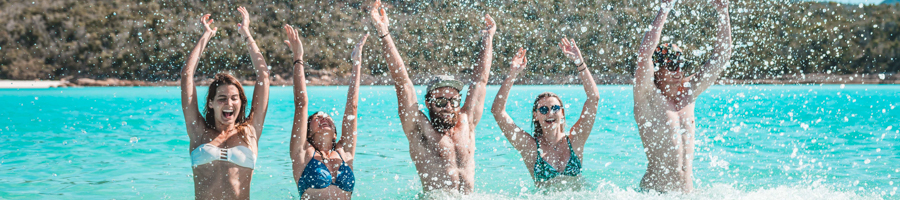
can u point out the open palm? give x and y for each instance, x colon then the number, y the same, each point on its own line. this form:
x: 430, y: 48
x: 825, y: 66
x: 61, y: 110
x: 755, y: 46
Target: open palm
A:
x: 571, y: 50
x: 519, y: 61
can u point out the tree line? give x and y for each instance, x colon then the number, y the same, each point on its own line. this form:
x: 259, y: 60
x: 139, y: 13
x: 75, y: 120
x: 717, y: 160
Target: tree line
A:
x: 150, y: 40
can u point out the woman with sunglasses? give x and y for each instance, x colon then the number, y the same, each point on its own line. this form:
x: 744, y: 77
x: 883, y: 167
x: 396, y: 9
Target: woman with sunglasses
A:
x: 552, y: 155
x: 323, y: 165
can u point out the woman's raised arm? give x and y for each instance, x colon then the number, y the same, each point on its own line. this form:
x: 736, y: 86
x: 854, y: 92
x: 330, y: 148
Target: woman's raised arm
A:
x: 298, y: 131
x: 348, y: 129
x: 516, y: 136
x: 261, y: 90
x: 192, y: 117
x: 582, y: 128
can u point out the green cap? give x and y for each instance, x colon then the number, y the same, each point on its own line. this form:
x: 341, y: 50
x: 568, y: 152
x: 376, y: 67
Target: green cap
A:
x: 440, y: 81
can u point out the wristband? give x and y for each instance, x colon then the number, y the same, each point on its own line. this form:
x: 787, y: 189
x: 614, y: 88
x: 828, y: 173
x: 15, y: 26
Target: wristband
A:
x: 385, y: 35
x: 298, y: 61
x: 582, y: 69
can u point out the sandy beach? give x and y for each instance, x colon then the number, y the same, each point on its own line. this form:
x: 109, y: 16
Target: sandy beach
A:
x: 29, y: 84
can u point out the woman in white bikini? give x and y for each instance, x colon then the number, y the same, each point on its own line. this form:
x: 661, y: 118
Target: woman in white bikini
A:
x: 223, y: 141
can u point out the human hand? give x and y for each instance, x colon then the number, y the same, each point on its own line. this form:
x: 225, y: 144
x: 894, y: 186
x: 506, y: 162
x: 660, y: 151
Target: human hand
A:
x: 489, y: 26
x: 379, y: 18
x: 293, y: 42
x: 667, y: 4
x: 244, y: 26
x: 206, y: 23
x: 720, y: 4
x: 356, y: 55
x: 518, y: 62
x: 571, y: 50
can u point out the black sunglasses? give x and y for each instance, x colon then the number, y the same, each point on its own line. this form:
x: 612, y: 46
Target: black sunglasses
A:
x: 442, y: 102
x: 552, y: 109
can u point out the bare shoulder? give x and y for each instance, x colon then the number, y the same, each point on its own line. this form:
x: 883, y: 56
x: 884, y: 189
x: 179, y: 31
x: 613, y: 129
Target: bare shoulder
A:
x: 250, y: 133
x: 200, y: 137
x: 648, y: 102
x: 645, y: 97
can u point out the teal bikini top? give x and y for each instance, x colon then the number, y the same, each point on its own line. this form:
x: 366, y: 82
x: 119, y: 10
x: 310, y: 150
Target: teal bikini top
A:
x: 543, y: 171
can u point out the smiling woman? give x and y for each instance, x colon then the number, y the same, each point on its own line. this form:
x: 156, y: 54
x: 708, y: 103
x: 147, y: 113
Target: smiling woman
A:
x: 225, y: 95
x: 315, y: 147
x: 224, y: 140
x: 559, y: 162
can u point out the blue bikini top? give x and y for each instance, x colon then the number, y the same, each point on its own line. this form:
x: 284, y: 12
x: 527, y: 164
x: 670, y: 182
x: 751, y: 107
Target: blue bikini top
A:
x: 317, y: 176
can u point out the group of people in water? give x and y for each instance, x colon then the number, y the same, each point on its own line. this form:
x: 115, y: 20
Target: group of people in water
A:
x: 224, y: 139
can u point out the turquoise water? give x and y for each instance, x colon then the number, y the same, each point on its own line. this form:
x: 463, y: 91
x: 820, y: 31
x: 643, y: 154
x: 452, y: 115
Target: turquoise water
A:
x: 769, y: 142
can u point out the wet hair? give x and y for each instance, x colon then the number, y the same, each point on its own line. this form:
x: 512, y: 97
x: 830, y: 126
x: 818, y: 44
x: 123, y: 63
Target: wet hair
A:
x: 241, y: 120
x: 309, y: 136
x: 537, y: 127
x: 664, y: 51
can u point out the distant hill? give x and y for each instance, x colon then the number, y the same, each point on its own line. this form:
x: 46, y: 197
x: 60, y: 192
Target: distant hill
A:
x: 150, y: 40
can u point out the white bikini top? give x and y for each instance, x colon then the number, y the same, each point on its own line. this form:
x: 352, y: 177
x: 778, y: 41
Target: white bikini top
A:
x: 239, y: 155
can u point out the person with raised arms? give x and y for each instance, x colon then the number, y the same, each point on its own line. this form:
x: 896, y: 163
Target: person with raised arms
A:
x: 553, y: 156
x: 664, y: 100
x: 323, y: 165
x: 442, y: 148
x: 224, y: 140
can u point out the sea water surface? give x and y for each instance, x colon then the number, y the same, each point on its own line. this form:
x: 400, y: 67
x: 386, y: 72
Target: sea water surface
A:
x: 753, y: 142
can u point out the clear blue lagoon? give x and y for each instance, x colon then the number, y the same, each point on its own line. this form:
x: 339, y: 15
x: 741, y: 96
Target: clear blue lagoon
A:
x: 753, y: 141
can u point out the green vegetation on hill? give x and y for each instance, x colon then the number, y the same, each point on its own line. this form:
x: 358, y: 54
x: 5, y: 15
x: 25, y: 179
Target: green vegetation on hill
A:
x: 149, y: 40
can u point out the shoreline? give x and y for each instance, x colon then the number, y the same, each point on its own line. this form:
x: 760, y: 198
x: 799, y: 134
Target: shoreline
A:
x: 320, y: 79
x: 13, y: 84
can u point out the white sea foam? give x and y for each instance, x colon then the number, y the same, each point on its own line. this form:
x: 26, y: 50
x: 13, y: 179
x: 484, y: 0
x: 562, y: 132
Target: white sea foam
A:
x: 712, y: 192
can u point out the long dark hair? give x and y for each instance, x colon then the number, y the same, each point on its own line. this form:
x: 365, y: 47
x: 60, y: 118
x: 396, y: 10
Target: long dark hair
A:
x: 309, y: 136
x: 537, y: 127
x: 241, y: 121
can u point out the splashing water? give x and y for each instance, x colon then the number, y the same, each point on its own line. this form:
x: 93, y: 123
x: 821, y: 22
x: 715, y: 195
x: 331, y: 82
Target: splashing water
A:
x: 747, y: 145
